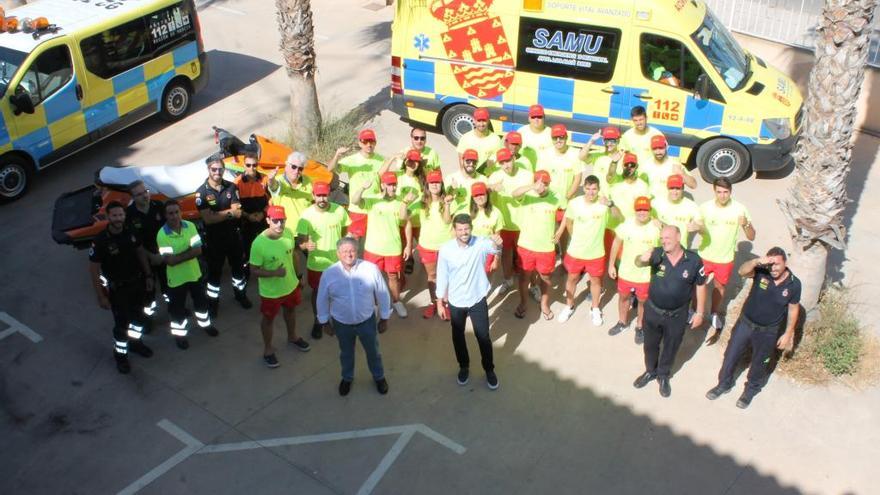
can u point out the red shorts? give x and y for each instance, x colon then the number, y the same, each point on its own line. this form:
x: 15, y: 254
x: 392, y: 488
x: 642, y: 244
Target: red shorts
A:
x: 388, y: 264
x: 722, y: 271
x: 560, y: 214
x: 509, y: 238
x: 543, y: 263
x: 428, y: 256
x: 624, y: 288
x: 358, y: 226
x: 269, y: 307
x: 489, y: 260
x: 314, y: 279
x: 576, y: 266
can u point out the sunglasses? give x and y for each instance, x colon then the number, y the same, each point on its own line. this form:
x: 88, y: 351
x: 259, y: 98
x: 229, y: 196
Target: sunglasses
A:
x: 537, y: 117
x: 474, y: 162
x: 295, y: 167
x: 249, y: 165
x: 217, y: 169
x: 631, y: 165
x: 419, y: 138
x: 369, y: 141
x: 560, y: 138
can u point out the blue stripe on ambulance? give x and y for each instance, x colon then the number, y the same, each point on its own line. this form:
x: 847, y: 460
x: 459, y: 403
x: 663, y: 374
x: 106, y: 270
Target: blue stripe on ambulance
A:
x: 38, y: 143
x: 128, y: 79
x: 418, y: 75
x: 101, y: 114
x: 185, y: 54
x: 62, y: 103
x: 556, y: 94
x: 702, y: 114
x: 4, y: 131
x: 156, y: 85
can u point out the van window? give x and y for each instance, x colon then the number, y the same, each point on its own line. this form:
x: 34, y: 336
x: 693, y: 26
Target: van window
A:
x: 47, y: 74
x: 10, y: 61
x: 567, y: 49
x: 126, y: 46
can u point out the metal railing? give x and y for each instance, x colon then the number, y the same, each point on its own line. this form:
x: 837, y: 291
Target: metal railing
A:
x: 792, y: 22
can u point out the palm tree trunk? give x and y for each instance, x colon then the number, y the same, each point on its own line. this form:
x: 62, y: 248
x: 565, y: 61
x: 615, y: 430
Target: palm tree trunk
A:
x: 298, y: 50
x: 817, y: 198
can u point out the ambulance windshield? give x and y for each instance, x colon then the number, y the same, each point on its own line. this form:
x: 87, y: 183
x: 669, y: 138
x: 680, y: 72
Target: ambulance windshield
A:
x: 723, y: 52
x: 10, y: 61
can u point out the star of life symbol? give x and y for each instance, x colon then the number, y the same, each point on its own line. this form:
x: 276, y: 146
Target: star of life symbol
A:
x: 421, y: 42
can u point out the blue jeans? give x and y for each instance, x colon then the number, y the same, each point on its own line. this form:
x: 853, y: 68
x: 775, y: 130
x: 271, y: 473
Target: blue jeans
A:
x: 346, y: 335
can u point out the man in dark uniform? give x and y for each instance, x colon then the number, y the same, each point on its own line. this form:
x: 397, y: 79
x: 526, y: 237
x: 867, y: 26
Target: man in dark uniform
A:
x: 674, y: 273
x: 145, y: 216
x: 120, y: 262
x: 254, y: 198
x: 220, y: 208
x: 773, y: 303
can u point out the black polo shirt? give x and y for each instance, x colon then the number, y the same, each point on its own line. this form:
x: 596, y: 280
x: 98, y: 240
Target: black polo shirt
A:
x: 146, y: 225
x: 767, y: 304
x: 672, y: 285
x: 208, y: 198
x: 117, y: 254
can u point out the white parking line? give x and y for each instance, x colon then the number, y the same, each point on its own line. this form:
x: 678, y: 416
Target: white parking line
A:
x: 192, y: 445
x: 16, y: 326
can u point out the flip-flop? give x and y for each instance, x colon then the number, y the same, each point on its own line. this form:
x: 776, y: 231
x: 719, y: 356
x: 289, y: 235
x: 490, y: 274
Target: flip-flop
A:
x: 548, y: 316
x: 520, y: 312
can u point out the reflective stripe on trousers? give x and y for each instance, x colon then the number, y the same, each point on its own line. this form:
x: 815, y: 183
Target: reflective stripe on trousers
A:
x: 135, y: 331
x: 179, y: 329
x: 121, y: 347
x: 203, y: 319
x: 213, y: 291
x: 239, y: 284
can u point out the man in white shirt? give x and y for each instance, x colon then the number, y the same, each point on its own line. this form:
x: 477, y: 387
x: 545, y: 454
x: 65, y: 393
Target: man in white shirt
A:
x: 348, y: 294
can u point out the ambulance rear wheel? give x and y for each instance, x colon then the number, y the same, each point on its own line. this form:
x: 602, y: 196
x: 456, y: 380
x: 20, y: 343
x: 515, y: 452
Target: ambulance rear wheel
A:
x: 15, y: 177
x: 723, y: 158
x: 457, y: 121
x: 176, y: 101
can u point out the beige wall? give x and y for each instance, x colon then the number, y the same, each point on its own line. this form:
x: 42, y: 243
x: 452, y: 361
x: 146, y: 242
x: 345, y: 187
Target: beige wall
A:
x: 797, y: 63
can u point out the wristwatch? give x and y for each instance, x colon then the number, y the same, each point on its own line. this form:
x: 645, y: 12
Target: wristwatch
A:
x: 611, y: 203
x: 228, y: 214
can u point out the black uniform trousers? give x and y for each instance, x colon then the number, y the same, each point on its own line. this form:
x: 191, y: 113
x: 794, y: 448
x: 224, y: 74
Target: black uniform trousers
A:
x: 479, y: 315
x: 177, y: 307
x: 762, y: 341
x: 150, y: 304
x: 225, y: 246
x: 664, y: 331
x: 126, y: 303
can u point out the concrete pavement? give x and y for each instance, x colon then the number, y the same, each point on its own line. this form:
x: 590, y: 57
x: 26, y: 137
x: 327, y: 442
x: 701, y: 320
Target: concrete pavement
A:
x: 566, y: 418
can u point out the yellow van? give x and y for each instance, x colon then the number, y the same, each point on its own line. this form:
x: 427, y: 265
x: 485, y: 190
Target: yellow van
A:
x: 589, y: 62
x: 96, y: 68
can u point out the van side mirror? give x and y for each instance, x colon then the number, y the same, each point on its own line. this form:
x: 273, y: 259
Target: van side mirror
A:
x: 701, y: 88
x: 21, y: 102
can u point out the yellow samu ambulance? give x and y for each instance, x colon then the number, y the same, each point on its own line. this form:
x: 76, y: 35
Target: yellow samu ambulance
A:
x: 73, y: 72
x: 589, y: 62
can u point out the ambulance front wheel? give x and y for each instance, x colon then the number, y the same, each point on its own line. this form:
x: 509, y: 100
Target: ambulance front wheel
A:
x: 176, y: 100
x: 457, y: 121
x: 15, y: 177
x: 723, y: 158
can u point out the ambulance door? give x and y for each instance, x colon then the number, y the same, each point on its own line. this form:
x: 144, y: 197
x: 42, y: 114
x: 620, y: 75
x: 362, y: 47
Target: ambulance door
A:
x: 51, y: 125
x: 573, y: 69
x: 673, y: 79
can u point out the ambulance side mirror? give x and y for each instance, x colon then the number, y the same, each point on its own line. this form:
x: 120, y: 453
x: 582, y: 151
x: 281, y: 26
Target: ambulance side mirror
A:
x: 701, y: 88
x: 21, y: 102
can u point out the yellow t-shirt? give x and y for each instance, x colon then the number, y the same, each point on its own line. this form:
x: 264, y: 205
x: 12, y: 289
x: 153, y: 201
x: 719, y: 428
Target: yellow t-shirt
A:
x: 679, y: 214
x: 601, y: 165
x: 658, y: 172
x: 383, y: 226
x: 588, y: 228
x: 718, y: 239
x: 409, y: 184
x: 486, y: 146
x: 485, y: 226
x: 538, y: 141
x: 459, y: 185
x: 639, y: 144
x: 270, y: 254
x: 539, y: 214
x: 503, y: 199
x: 636, y: 240
x: 434, y: 231
x: 295, y: 198
x: 323, y: 228
x: 624, y: 195
x: 361, y: 169
x: 563, y: 168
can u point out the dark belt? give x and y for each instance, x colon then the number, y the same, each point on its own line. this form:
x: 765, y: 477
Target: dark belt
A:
x: 668, y: 313
x: 762, y: 328
x: 121, y: 284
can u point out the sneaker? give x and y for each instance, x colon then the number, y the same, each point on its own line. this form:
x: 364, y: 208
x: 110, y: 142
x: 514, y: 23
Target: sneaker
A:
x: 639, y: 336
x: 717, y: 391
x: 382, y: 386
x: 344, y: 387
x: 617, y: 328
x: 505, y: 286
x: 122, y: 365
x: 271, y: 361
x: 182, y: 343
x: 492, y: 380
x: 139, y: 348
x: 463, y: 374
x: 400, y: 309
x: 429, y: 311
x: 210, y: 330
x: 717, y: 321
x: 300, y: 344
x: 244, y: 301
x: 565, y: 314
x: 596, y: 316
x: 317, y: 330
x: 535, y: 291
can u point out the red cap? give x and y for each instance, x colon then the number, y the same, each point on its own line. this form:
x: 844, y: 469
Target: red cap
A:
x: 481, y: 114
x: 503, y: 155
x: 470, y: 155
x: 478, y: 188
x: 434, y: 177
x: 513, y: 137
x: 642, y: 204
x: 536, y: 111
x: 367, y: 135
x: 658, y: 141
x: 543, y: 176
x: 610, y: 133
x: 558, y: 130
x: 320, y: 189
x: 675, y: 181
x: 389, y: 178
x: 414, y: 155
x: 630, y: 158
x: 276, y: 212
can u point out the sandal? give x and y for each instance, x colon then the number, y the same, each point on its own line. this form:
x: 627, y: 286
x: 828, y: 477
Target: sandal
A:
x: 548, y: 315
x: 520, y: 312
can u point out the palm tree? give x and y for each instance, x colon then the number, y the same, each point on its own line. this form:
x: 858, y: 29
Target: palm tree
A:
x: 298, y: 50
x: 817, y: 198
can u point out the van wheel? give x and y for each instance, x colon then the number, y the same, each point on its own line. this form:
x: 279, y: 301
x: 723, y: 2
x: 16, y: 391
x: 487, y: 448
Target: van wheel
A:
x: 15, y: 177
x: 723, y: 158
x: 175, y: 101
x: 457, y: 121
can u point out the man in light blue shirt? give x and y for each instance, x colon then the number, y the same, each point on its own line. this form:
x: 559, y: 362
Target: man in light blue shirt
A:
x: 462, y: 283
x: 348, y: 294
